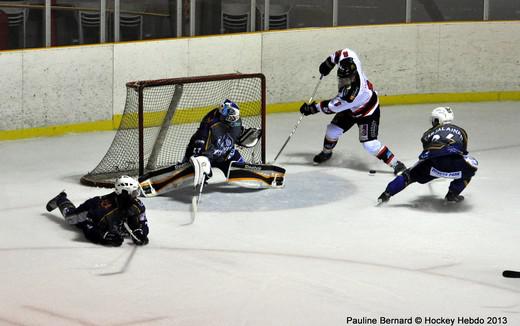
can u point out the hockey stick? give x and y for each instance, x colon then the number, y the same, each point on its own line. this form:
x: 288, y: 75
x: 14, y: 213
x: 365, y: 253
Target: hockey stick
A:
x: 124, y: 267
x: 299, y: 121
x: 511, y: 274
x: 195, y: 199
x: 131, y: 233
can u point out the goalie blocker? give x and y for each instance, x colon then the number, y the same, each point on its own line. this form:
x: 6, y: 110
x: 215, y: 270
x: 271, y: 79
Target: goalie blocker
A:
x: 184, y: 175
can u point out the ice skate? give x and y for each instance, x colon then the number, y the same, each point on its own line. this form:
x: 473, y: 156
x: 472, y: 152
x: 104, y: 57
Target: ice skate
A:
x: 53, y: 203
x: 383, y: 198
x: 452, y: 198
x: 322, y: 157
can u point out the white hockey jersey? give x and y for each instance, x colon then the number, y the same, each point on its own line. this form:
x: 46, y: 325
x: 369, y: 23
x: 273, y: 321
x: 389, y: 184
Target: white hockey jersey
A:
x: 362, y: 104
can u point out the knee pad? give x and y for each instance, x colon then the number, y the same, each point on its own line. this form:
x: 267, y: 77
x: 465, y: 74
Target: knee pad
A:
x: 373, y: 146
x: 471, y: 161
x: 407, y: 178
x: 333, y: 132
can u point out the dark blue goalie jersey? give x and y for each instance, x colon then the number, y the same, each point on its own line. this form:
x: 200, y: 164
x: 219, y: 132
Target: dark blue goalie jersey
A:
x: 215, y: 138
x: 444, y: 140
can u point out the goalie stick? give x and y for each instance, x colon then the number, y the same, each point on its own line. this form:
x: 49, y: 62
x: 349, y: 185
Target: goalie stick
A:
x: 202, y: 168
x: 511, y: 274
x: 195, y: 199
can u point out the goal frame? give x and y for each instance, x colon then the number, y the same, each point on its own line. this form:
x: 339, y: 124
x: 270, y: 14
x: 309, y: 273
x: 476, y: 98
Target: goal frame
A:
x: 140, y: 86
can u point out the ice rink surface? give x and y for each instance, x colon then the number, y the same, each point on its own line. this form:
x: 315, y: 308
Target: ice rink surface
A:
x: 313, y: 253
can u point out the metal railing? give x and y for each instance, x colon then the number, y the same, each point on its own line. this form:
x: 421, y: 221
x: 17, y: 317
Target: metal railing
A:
x: 46, y: 20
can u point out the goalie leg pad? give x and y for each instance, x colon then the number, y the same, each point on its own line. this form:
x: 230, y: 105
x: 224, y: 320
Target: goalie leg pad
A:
x: 256, y: 176
x: 161, y: 181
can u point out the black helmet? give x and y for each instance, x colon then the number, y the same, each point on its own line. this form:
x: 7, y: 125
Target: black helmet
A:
x: 346, y: 68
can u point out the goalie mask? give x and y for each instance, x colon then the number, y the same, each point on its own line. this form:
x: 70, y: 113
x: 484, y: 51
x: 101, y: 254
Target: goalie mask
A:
x: 126, y: 186
x: 441, y: 115
x: 229, y: 111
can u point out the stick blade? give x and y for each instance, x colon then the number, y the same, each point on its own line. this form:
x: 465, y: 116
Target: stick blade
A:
x: 194, y: 210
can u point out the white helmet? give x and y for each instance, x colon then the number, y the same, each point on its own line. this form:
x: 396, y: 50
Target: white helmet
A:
x: 442, y: 115
x: 126, y: 184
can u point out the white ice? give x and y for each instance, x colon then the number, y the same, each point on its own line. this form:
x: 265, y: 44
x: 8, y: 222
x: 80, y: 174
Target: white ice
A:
x: 313, y: 253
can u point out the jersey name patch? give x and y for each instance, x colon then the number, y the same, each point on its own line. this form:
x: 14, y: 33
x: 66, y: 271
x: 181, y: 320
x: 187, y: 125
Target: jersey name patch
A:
x: 448, y: 175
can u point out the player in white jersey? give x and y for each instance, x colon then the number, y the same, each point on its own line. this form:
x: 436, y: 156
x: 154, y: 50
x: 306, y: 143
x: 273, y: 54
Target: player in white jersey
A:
x: 356, y: 103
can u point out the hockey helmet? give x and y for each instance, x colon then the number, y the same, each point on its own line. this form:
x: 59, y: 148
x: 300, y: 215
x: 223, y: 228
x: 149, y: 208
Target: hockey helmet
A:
x: 347, y: 68
x: 126, y: 185
x: 229, y: 111
x: 441, y: 115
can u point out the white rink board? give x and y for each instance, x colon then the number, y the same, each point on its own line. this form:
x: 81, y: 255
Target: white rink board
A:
x: 67, y: 85
x: 144, y: 61
x: 11, y: 94
x: 87, y: 83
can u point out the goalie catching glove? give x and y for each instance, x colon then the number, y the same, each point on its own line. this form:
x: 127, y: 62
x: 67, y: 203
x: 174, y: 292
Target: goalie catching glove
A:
x: 249, y: 137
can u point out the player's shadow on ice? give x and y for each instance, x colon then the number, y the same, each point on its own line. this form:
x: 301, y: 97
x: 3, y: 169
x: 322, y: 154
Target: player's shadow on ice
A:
x: 339, y: 160
x: 64, y: 225
x: 185, y: 195
x: 431, y: 203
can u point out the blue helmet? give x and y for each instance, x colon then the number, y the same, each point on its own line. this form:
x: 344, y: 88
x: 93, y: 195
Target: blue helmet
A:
x: 229, y: 111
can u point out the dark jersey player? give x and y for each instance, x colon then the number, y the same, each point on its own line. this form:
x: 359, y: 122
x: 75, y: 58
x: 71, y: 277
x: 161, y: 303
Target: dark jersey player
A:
x: 444, y: 155
x: 217, y: 135
x: 103, y: 219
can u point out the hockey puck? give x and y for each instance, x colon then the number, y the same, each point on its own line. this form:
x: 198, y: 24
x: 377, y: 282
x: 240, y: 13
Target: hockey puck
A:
x: 511, y: 274
x: 372, y: 171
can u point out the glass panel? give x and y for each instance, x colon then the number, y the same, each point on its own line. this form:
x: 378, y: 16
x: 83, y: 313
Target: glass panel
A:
x: 77, y: 22
x: 160, y: 18
x: 308, y: 13
x: 64, y: 22
x: 447, y: 10
x: 279, y: 14
x: 21, y: 24
x: 209, y: 17
x: 364, y: 12
x: 132, y: 17
x: 233, y: 16
x: 504, y: 10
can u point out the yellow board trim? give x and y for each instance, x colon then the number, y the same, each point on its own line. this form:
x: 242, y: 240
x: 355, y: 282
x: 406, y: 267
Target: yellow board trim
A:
x: 113, y: 124
x: 417, y: 99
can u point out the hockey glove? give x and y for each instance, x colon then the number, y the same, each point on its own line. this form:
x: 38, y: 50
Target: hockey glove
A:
x: 249, y: 137
x: 139, y: 238
x: 326, y: 67
x: 112, y: 239
x: 308, y: 109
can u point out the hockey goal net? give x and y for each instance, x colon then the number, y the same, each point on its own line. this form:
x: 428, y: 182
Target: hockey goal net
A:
x: 160, y: 116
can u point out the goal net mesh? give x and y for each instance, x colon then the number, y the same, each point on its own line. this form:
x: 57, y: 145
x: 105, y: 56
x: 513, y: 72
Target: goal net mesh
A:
x: 160, y: 116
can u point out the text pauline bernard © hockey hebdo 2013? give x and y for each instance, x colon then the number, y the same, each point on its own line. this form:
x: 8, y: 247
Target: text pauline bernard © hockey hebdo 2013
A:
x: 425, y: 320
